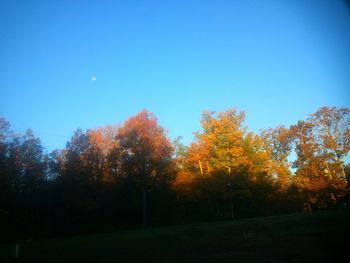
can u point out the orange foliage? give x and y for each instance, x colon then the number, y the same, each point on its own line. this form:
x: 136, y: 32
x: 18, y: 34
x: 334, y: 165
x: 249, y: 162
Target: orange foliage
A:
x: 145, y: 145
x: 183, y: 184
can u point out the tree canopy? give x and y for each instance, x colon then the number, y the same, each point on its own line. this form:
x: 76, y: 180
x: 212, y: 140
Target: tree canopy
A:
x: 121, y: 176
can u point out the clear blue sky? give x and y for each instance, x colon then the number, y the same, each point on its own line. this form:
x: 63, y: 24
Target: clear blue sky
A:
x: 277, y: 60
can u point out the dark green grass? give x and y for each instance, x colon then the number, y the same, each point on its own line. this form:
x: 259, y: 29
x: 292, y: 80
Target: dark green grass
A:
x: 318, y: 237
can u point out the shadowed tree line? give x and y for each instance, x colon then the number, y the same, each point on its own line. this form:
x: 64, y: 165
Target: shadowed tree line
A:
x: 120, y: 177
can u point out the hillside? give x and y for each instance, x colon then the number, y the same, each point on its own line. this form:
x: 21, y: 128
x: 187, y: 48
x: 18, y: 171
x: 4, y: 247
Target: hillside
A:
x: 318, y: 237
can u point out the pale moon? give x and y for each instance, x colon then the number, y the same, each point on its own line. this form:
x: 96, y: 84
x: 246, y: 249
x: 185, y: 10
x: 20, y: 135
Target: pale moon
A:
x: 93, y: 78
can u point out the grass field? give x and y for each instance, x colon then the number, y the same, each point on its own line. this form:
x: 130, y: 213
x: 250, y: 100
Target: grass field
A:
x: 318, y: 237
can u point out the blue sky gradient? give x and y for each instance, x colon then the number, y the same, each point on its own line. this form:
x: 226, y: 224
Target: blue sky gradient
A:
x: 277, y: 60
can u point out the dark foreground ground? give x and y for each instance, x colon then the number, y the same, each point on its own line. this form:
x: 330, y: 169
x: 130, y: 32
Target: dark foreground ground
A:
x: 318, y: 237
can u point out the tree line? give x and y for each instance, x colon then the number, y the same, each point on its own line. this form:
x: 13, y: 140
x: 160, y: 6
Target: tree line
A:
x: 133, y: 175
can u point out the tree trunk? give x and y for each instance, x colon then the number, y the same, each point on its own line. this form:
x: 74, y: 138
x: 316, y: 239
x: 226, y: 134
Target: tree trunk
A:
x: 200, y: 167
x: 208, y: 168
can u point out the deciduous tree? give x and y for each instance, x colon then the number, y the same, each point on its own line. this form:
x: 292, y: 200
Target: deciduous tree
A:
x: 145, y: 153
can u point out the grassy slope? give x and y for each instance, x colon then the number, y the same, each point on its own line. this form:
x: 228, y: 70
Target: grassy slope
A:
x: 319, y: 237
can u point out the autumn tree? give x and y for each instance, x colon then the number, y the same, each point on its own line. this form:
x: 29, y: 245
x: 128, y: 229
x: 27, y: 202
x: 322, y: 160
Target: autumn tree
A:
x: 218, y: 151
x: 278, y: 146
x: 101, y: 142
x: 225, y: 161
x: 219, y: 148
x: 144, y: 154
x: 322, y: 142
x: 220, y: 145
x: 332, y: 129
